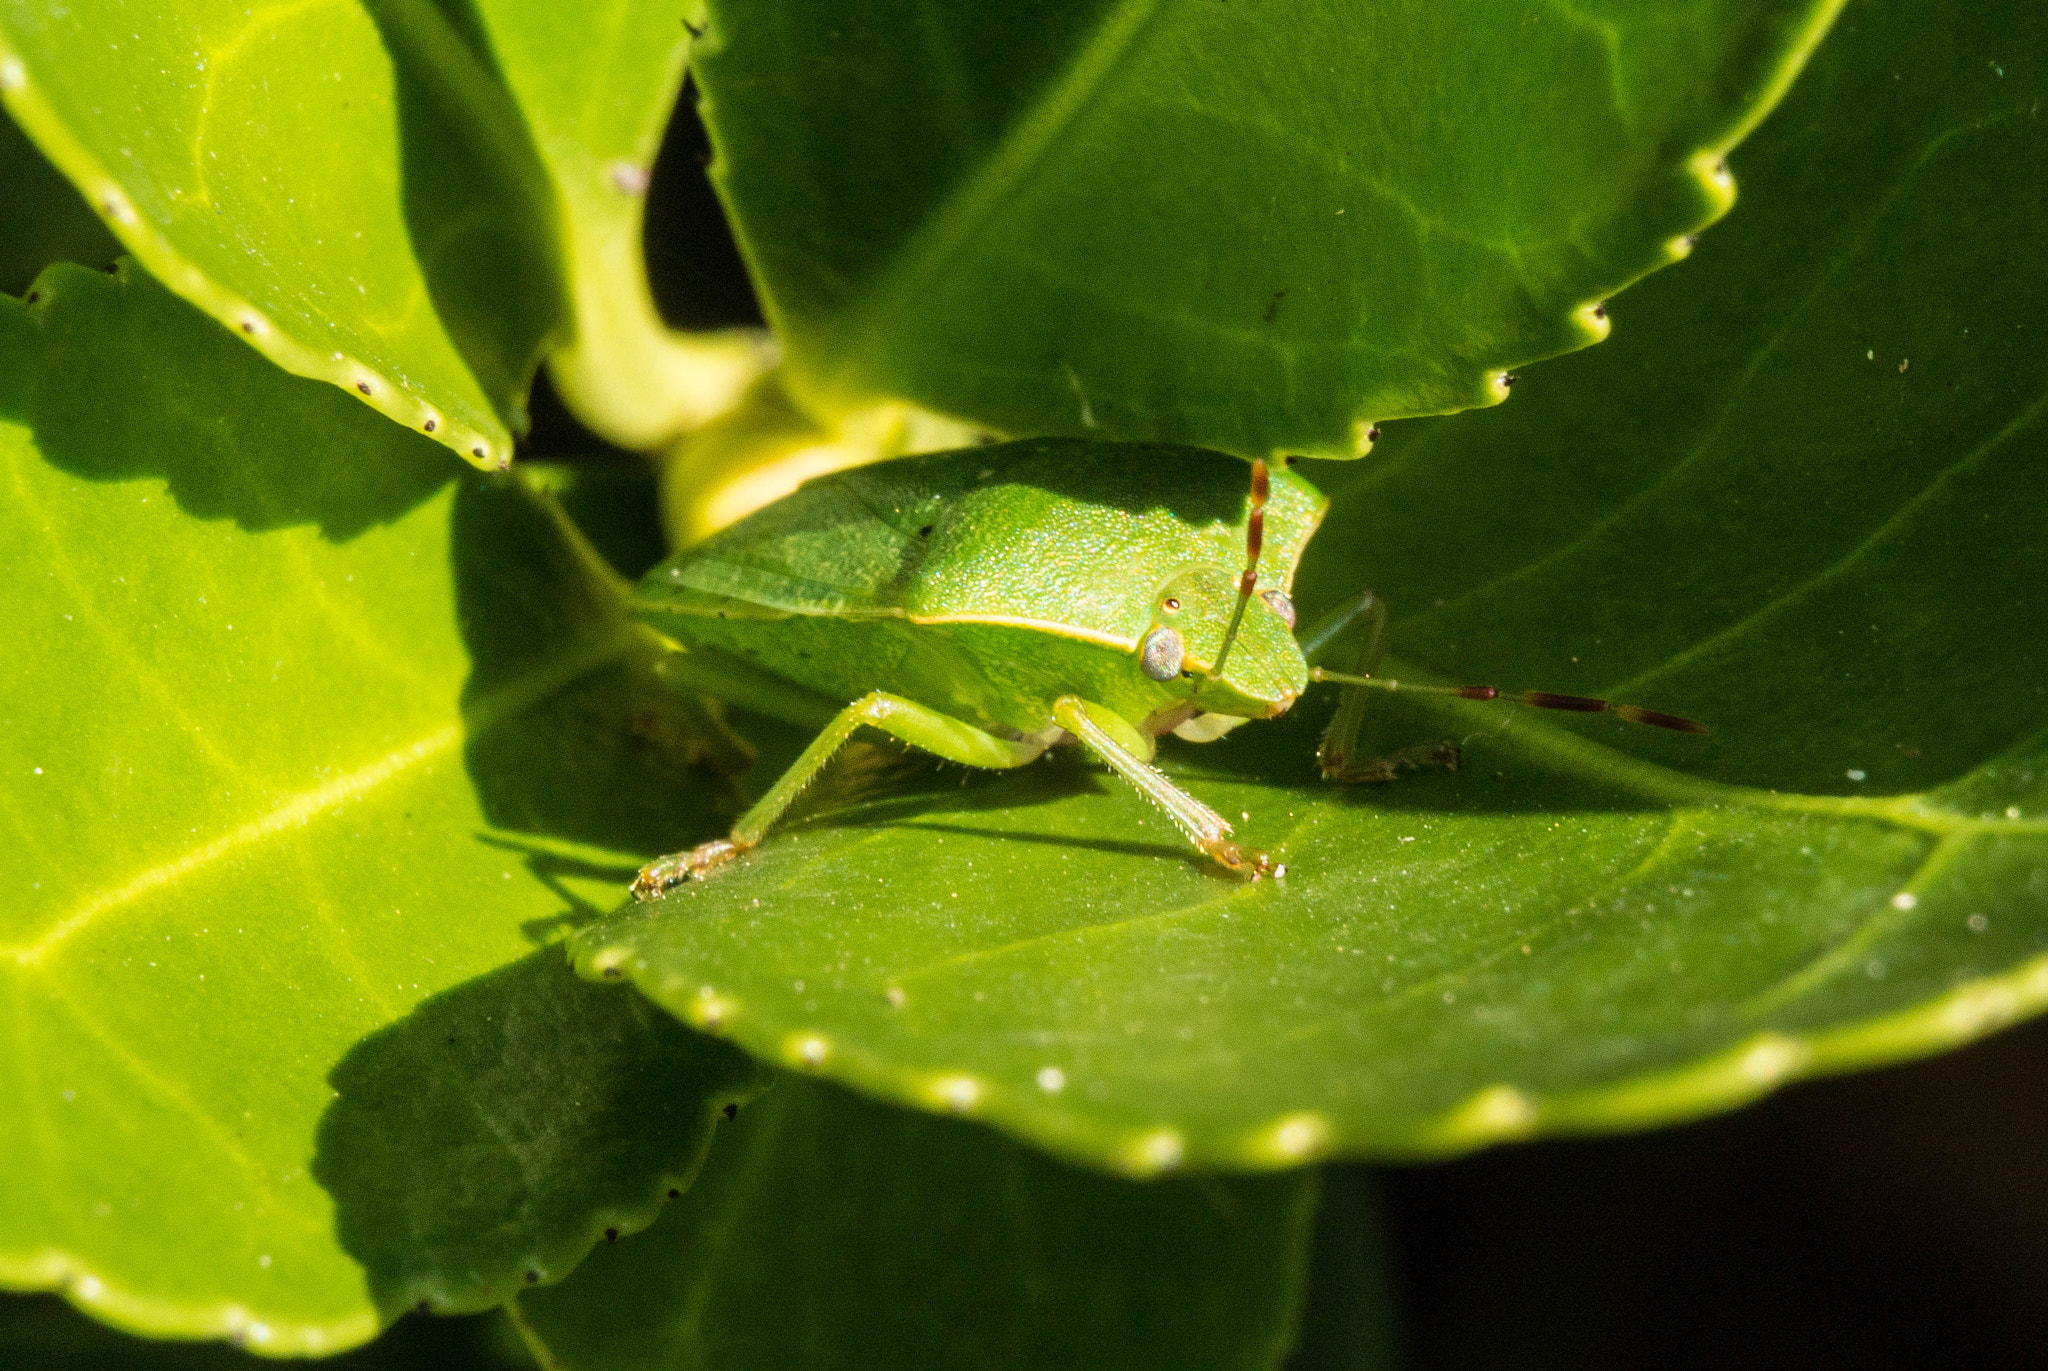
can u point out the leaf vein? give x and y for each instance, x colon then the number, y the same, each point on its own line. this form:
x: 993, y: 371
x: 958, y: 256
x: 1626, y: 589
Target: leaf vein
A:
x: 1736, y: 391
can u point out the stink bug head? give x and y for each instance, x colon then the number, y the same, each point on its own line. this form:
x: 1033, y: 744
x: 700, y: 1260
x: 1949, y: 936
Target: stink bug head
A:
x: 1264, y: 671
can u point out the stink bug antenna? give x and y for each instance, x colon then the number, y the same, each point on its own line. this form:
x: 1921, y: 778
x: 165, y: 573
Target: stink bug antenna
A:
x: 1254, y: 541
x: 1535, y: 699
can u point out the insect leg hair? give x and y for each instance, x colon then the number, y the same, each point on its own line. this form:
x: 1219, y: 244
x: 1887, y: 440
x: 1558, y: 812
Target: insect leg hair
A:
x: 919, y: 725
x: 1254, y: 543
x: 1205, y: 828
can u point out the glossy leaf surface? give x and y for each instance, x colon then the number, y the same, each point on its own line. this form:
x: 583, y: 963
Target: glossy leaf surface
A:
x: 831, y: 1231
x: 349, y: 186
x: 1799, y: 497
x: 305, y: 745
x: 1241, y: 227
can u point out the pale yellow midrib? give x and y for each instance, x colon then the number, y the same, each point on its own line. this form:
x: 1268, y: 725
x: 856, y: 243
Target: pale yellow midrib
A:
x: 296, y: 811
x: 303, y: 807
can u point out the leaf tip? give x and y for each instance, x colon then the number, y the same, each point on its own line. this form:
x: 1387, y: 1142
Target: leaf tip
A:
x: 1492, y: 1114
x: 113, y: 202
x: 1772, y: 1058
x: 1716, y: 182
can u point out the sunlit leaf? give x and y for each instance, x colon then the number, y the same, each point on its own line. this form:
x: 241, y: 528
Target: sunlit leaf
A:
x: 305, y: 746
x: 347, y: 185
x: 1247, y: 227
x: 1798, y: 497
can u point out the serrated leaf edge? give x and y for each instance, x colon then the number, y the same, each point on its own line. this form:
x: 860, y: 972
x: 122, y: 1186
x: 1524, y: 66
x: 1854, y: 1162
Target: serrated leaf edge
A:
x: 1498, y: 1112
x: 1706, y: 167
x: 605, y: 1225
x: 833, y: 385
x: 119, y: 1307
x: 491, y: 451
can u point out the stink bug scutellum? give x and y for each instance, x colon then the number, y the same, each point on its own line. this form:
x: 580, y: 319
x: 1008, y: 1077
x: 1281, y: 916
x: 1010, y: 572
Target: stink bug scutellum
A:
x: 986, y: 603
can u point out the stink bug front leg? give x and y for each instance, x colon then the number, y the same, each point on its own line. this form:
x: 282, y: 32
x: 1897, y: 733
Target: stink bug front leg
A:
x: 1205, y: 828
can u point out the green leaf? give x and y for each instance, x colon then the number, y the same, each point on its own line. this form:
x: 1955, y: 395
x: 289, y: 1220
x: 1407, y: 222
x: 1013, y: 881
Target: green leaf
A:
x: 304, y: 746
x: 42, y: 1333
x: 47, y: 221
x: 348, y: 186
x: 828, y: 1231
x: 596, y: 86
x: 1244, y: 228
x: 508, y: 1123
x: 1749, y: 508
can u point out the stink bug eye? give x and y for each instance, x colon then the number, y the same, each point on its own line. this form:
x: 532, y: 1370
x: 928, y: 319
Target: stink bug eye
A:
x: 1160, y: 654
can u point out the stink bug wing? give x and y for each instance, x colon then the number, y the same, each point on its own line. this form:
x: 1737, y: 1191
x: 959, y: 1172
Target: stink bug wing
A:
x: 820, y: 550
x: 1028, y: 559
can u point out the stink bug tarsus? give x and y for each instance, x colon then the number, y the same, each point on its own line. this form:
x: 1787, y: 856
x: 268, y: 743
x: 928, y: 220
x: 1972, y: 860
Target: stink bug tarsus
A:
x: 984, y: 604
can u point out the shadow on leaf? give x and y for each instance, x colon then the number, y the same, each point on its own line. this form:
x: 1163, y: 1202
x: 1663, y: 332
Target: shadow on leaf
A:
x: 572, y: 736
x: 485, y: 1141
x: 131, y: 382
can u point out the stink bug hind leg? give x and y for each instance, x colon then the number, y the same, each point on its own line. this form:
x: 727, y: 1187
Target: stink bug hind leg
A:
x: 663, y: 872
x: 1338, y: 755
x: 918, y: 725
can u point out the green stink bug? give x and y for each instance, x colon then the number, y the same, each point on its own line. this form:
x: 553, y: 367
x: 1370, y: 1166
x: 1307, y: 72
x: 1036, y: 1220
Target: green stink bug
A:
x: 983, y: 604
